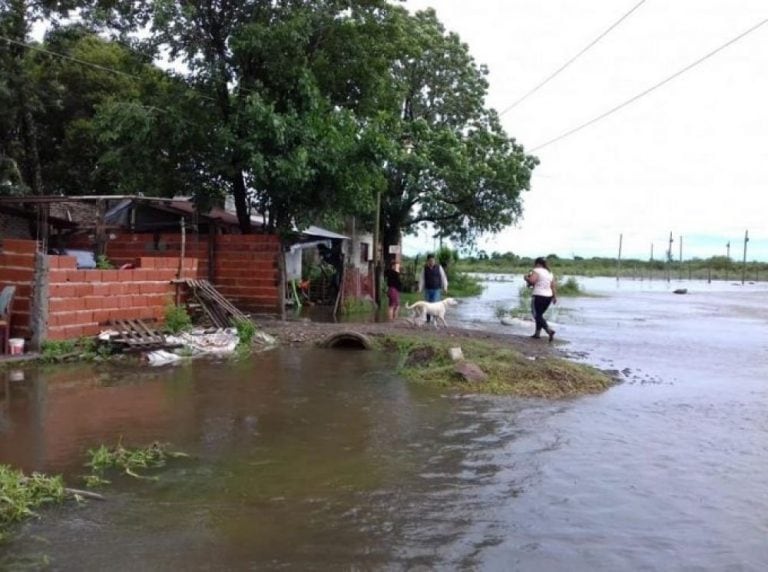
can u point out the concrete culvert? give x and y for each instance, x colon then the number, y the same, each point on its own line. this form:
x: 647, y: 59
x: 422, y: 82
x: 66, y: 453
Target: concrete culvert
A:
x: 347, y: 341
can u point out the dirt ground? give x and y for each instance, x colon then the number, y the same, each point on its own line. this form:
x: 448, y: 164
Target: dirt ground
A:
x: 299, y: 333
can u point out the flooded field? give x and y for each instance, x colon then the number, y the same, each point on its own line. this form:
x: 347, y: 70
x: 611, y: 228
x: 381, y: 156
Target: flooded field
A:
x: 313, y: 459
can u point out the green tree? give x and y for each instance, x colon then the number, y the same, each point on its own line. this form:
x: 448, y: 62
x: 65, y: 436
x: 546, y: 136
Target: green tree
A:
x: 450, y: 163
x: 288, y: 143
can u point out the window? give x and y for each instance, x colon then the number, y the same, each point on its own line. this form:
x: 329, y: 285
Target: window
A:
x: 364, y: 254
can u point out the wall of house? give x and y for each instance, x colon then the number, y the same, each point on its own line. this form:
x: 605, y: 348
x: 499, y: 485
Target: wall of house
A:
x: 17, y: 268
x: 83, y: 302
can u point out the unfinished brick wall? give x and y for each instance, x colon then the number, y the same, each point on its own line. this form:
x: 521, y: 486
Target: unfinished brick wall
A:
x: 17, y: 268
x: 82, y: 302
x: 247, y: 271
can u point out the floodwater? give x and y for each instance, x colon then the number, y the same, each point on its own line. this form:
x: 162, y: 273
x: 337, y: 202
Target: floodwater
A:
x: 323, y: 459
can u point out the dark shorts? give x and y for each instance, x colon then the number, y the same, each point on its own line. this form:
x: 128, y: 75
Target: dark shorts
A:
x: 393, y: 295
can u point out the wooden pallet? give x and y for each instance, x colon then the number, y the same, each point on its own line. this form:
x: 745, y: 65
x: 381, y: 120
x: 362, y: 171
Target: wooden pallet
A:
x: 137, y: 336
x: 220, y: 311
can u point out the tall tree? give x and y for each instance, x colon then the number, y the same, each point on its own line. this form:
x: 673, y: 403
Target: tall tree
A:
x: 19, y: 145
x: 229, y: 49
x: 450, y: 162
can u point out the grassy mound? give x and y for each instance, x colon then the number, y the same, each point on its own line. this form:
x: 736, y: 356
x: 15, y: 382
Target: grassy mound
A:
x: 510, y: 373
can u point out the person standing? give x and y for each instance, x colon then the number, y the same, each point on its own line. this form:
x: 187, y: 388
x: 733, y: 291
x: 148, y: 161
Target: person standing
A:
x: 432, y: 281
x: 544, y: 293
x: 394, y: 287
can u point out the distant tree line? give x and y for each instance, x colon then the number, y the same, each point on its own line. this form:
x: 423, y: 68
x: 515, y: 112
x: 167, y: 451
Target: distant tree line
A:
x: 717, y: 267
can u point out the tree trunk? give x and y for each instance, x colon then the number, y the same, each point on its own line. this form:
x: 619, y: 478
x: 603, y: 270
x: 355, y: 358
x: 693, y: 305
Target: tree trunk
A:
x: 391, y: 236
x: 240, y: 194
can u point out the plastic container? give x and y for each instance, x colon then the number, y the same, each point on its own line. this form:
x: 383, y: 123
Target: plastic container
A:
x: 16, y: 346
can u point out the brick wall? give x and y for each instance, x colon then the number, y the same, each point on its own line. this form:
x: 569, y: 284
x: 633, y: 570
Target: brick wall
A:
x: 17, y: 268
x: 247, y: 271
x: 246, y: 267
x: 82, y: 302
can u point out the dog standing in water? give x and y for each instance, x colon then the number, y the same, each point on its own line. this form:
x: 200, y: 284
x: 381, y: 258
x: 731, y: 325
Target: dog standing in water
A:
x: 434, y: 309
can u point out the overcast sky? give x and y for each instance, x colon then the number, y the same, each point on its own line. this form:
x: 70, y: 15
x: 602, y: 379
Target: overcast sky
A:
x: 690, y: 158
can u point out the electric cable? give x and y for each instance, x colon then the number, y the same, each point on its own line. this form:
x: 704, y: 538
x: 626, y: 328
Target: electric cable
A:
x: 562, y: 68
x: 652, y: 88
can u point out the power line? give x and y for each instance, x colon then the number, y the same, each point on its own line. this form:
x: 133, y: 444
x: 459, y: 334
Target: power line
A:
x: 562, y: 68
x: 652, y: 88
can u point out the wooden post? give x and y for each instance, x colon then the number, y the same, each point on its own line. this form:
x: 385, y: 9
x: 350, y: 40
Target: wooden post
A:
x: 681, y: 257
x: 376, y: 261
x: 618, y: 260
x: 101, y: 231
x: 283, y: 278
x: 38, y: 318
x: 669, y: 257
x: 182, y: 252
x: 709, y: 275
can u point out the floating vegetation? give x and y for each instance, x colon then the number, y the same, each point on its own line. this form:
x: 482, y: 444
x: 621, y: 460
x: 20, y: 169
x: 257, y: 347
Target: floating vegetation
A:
x: 21, y: 494
x: 129, y: 461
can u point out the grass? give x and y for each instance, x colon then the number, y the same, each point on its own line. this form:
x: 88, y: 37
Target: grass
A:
x: 510, y: 373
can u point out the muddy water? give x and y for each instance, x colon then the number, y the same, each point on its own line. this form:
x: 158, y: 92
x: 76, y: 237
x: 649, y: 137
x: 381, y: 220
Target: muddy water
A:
x: 310, y: 459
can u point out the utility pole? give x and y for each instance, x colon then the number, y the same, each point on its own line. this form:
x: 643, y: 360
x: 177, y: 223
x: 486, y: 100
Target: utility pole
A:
x: 728, y: 256
x: 681, y: 257
x: 618, y: 260
x: 669, y: 256
x: 744, y: 260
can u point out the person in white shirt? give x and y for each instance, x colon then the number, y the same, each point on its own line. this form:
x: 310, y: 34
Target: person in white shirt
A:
x: 544, y: 293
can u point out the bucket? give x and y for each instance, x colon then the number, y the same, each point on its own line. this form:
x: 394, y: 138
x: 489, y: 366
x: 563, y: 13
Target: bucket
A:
x: 16, y: 346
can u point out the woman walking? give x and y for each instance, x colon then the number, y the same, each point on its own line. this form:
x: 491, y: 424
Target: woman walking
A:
x: 394, y: 287
x: 544, y: 293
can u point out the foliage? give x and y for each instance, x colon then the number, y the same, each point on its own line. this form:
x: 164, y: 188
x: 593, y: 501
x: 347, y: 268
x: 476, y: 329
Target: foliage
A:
x: 570, y: 287
x: 177, y: 318
x: 129, y: 461
x: 21, y: 494
x: 103, y: 263
x: 246, y: 331
x: 54, y: 350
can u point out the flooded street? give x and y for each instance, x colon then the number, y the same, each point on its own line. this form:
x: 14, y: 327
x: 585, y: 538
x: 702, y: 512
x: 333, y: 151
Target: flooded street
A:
x: 322, y: 459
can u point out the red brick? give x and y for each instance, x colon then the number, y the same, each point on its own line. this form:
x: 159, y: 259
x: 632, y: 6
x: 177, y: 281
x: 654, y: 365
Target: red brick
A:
x: 91, y: 330
x: 67, y: 262
x: 142, y: 275
x: 83, y: 290
x: 101, y: 289
x: 116, y: 288
x: 76, y: 275
x: 101, y: 316
x: 19, y: 246
x: 146, y: 262
x: 57, y: 276
x: 16, y: 275
x: 94, y: 303
x: 10, y: 260
x: 125, y: 275
x: 109, y: 275
x: 126, y: 301
x: 61, y: 290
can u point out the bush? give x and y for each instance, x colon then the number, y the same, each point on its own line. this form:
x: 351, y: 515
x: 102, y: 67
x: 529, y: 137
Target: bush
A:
x: 246, y: 331
x: 176, y: 319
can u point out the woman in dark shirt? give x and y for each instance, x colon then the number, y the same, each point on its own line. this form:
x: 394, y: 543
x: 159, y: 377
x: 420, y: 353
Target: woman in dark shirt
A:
x: 394, y: 286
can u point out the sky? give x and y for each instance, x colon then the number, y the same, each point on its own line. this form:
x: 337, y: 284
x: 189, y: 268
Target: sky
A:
x: 691, y: 158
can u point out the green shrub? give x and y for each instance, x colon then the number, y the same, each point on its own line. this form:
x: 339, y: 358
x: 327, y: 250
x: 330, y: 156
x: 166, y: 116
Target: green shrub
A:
x: 103, y: 263
x: 246, y: 330
x: 20, y: 494
x: 176, y: 319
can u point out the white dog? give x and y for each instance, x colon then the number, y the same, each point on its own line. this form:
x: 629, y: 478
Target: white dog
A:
x: 435, y: 309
